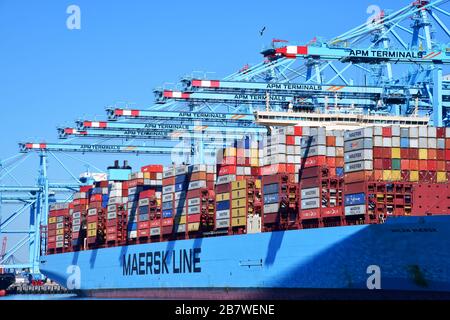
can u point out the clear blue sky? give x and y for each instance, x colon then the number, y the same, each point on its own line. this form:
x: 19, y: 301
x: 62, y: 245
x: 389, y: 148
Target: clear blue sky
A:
x: 51, y: 76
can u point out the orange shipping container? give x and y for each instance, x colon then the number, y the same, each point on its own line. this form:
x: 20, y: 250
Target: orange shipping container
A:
x: 331, y: 141
x: 441, y: 166
x: 358, y: 176
x: 405, y: 165
x: 331, y: 162
x: 414, y: 165
x: 378, y: 175
x: 423, y: 165
x: 432, y: 154
x: 339, y: 162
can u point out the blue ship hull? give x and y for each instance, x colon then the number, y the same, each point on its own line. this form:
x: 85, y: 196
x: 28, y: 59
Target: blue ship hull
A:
x: 407, y: 254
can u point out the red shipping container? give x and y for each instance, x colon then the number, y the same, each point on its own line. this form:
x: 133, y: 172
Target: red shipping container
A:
x: 378, y: 164
x: 406, y: 175
x: 331, y: 161
x: 147, y: 194
x: 358, y: 176
x: 52, y: 233
x: 405, y: 165
x: 414, y: 165
x: 96, y: 197
x: 440, y: 132
x: 309, y: 214
x: 193, y: 218
x: 270, y: 218
x: 256, y: 171
x: 155, y: 223
x: 111, y: 229
x: 143, y: 232
x: 440, y: 154
x: 404, y: 153
x: 290, y: 140
x: 226, y: 170
x: 387, y: 132
x: 111, y: 237
x: 51, y: 245
x: 432, y: 165
x: 143, y: 225
x: 432, y: 154
x: 377, y: 152
x: 290, y: 168
x: 166, y: 222
x: 92, y: 218
x: 356, y: 187
x: 152, y: 168
x: 75, y: 235
x: 331, y: 212
x: 298, y: 131
x: 222, y: 188
x: 447, y: 166
x: 423, y: 165
x: 333, y: 172
x: 227, y: 161
x: 441, y: 166
x: 51, y: 226
x: 85, y: 188
x: 310, y: 172
x: 273, y: 169
x: 240, y: 153
x: 447, y: 143
x: 339, y: 162
x: 166, y: 230
x: 314, y: 161
x: 387, y: 153
x: 447, y: 154
x: 387, y: 164
x: 414, y: 153
x: 168, y: 181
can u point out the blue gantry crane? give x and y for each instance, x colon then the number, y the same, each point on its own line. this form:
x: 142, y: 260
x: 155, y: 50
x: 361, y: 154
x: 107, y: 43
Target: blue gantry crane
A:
x: 390, y: 69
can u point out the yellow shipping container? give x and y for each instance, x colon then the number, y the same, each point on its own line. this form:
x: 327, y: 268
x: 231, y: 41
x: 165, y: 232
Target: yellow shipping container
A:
x: 180, y: 220
x: 238, y: 194
x: 258, y: 184
x: 254, y: 162
x: 414, y: 176
x: 238, y: 203
x: 158, y: 202
x: 230, y: 152
x: 223, y: 196
x: 92, y: 225
x: 59, y: 232
x: 52, y: 220
x: 387, y: 175
x: 254, y: 153
x: 92, y: 233
x: 146, y: 175
x: 396, y: 153
x: 238, y: 185
x: 194, y: 226
x: 423, y: 154
x: 441, y: 177
x: 396, y: 175
x: 239, y: 212
x: 237, y: 222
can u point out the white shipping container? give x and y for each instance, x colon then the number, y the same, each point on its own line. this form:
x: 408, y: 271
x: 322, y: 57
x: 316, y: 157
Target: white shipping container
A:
x: 423, y: 132
x: 310, y: 193
x: 358, y: 134
x: 111, y: 215
x: 168, y: 189
x: 312, y: 203
x: 414, y: 143
x: 197, y: 184
x: 92, y: 212
x: 432, y: 132
x: 76, y: 228
x: 387, y: 142
x: 396, y: 131
x: 359, y: 155
x: 181, y: 228
x: 271, y: 208
x: 59, y: 244
x: 331, y: 152
x: 132, y: 234
x: 290, y: 150
x: 61, y: 219
x: 339, y: 141
x: 314, y: 140
x: 167, y: 197
x: 199, y: 168
x: 155, y: 231
x: 414, y: 132
x: 76, y: 215
x: 222, y: 214
x: 226, y: 179
x: 377, y: 141
x: 432, y: 143
x: 447, y: 132
x: 224, y: 223
x: 396, y: 142
x: 423, y: 143
x: 180, y: 195
x: 194, y: 210
x: 144, y: 202
x: 60, y: 238
x: 74, y: 222
x: 358, y: 144
x: 168, y: 173
x: 358, y: 166
x: 290, y: 130
x: 194, y: 202
x: 440, y: 143
x: 314, y: 151
x: 355, y: 210
x: 378, y: 131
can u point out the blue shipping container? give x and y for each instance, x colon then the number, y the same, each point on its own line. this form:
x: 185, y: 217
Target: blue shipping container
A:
x: 143, y: 210
x: 340, y: 172
x: 143, y: 217
x: 132, y: 226
x: 167, y: 205
x: 167, y: 213
x: 179, y: 187
x: 355, y: 199
x: 223, y: 205
x: 271, y: 188
x: 404, y: 142
x: 271, y: 198
x: 180, y: 179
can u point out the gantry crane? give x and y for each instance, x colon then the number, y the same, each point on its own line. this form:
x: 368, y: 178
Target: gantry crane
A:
x: 314, y: 81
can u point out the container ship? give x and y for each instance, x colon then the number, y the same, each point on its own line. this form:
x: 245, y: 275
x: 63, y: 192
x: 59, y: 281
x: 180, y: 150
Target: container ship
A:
x: 308, y: 208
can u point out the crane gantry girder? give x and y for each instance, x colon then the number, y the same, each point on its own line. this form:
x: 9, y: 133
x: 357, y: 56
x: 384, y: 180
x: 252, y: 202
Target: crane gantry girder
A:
x: 198, y: 134
x: 115, y: 113
x: 101, y: 148
x: 167, y: 127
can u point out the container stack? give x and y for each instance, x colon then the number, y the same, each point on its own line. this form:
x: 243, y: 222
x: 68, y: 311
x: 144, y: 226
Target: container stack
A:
x: 58, y: 230
x: 280, y: 152
x: 116, y: 219
x: 80, y: 206
x: 96, y: 216
x: 168, y: 199
x: 280, y: 201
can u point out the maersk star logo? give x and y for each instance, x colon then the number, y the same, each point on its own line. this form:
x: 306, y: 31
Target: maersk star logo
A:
x: 74, y: 279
